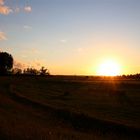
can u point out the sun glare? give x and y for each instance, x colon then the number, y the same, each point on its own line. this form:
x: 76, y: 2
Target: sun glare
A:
x: 109, y: 68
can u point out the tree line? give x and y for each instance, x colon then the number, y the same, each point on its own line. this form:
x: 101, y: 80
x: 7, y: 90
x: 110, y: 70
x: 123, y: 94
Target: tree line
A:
x: 6, y: 67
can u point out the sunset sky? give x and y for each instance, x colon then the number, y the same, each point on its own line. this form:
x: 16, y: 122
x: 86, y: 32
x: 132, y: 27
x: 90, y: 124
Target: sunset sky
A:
x: 71, y: 36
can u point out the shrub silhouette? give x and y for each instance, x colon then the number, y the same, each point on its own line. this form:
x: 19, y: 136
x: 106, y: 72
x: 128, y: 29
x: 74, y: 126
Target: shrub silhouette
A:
x: 17, y: 71
x: 30, y: 71
x: 6, y: 63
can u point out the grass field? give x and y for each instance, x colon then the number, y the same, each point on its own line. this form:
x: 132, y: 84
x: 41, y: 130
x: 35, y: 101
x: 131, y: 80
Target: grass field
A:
x: 69, y: 108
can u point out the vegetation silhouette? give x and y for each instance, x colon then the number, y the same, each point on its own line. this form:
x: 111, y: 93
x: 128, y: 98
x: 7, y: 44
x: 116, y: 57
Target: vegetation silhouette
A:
x: 6, y: 67
x: 17, y: 71
x: 32, y: 71
x: 6, y: 63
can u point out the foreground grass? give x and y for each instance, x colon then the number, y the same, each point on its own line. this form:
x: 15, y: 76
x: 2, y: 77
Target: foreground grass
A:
x: 49, y: 108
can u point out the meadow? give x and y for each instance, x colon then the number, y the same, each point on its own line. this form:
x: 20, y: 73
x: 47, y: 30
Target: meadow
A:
x: 69, y: 108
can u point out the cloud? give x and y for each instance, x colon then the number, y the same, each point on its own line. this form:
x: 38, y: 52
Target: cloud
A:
x: 63, y: 41
x: 1, y: 2
x: 29, y: 52
x: 27, y: 27
x: 5, y: 10
x: 19, y: 65
x: 35, y: 63
x: 27, y: 8
x: 17, y: 10
x: 81, y: 51
x: 2, y: 36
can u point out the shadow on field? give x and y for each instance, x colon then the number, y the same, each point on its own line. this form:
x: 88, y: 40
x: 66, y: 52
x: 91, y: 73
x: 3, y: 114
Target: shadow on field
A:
x: 79, y: 121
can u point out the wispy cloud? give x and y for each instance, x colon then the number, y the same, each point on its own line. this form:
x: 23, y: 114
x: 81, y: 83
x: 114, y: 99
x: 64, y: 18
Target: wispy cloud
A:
x: 28, y: 52
x: 5, y: 10
x: 20, y: 65
x: 63, y: 41
x: 27, y: 8
x: 17, y: 10
x: 2, y: 36
x: 35, y: 63
x: 27, y: 27
x: 29, y: 64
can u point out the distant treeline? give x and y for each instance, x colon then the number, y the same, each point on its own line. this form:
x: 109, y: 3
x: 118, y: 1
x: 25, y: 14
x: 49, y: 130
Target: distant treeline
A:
x: 128, y: 76
x: 131, y: 76
x: 30, y: 71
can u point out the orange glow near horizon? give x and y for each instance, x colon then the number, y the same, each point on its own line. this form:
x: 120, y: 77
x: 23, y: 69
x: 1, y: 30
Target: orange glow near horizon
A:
x: 109, y: 68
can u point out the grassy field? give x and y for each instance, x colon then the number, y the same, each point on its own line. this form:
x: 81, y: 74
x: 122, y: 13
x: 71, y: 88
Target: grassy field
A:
x: 69, y: 108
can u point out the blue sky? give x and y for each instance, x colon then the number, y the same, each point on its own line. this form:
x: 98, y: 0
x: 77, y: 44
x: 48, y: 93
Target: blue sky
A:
x: 71, y: 36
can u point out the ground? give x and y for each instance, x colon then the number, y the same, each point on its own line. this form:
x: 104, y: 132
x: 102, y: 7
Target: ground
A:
x: 69, y: 108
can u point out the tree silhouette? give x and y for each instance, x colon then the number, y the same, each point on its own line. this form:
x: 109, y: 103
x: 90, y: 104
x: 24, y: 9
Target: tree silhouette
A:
x: 44, y: 71
x: 6, y: 63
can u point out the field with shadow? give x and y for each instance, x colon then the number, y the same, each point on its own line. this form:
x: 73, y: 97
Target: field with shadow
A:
x: 69, y: 108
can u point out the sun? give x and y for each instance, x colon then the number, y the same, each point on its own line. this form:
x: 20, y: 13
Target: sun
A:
x: 109, y: 68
